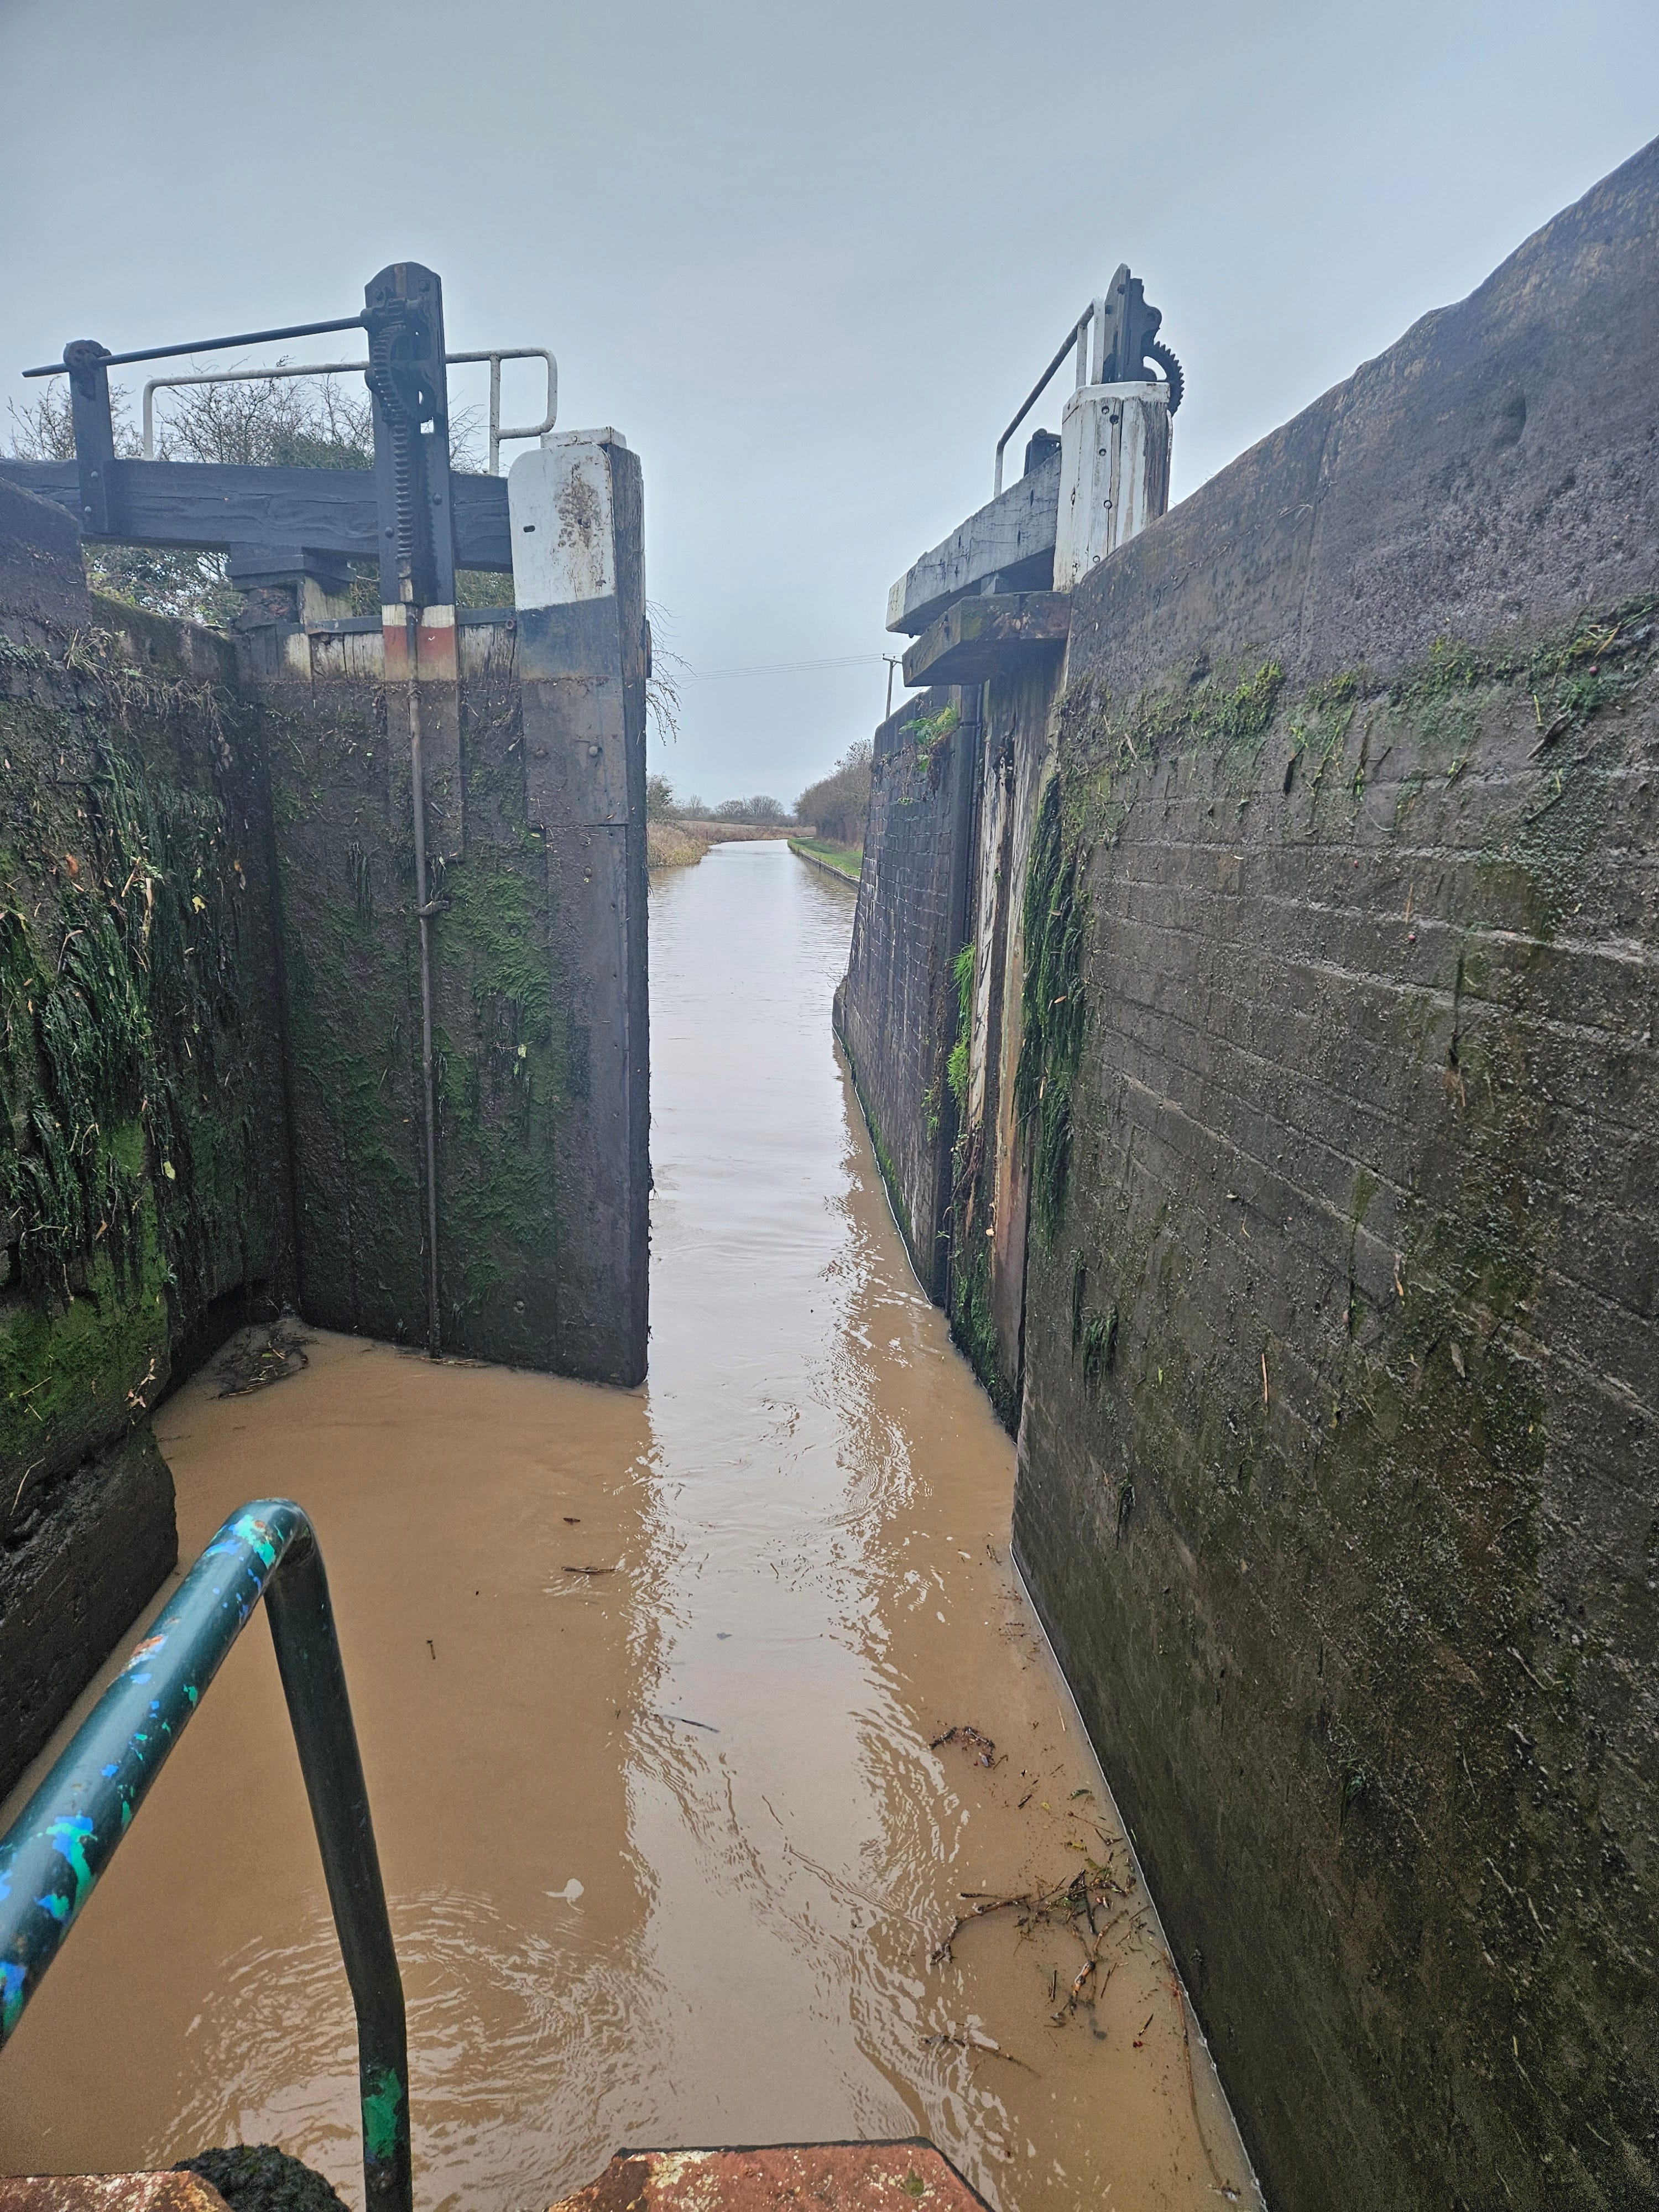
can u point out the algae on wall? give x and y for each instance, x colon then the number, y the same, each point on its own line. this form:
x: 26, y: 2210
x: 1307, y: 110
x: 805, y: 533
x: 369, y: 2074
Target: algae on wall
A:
x: 507, y: 1059
x: 1336, y: 1462
x: 512, y: 1056
x: 143, y: 1172
x: 890, y: 1013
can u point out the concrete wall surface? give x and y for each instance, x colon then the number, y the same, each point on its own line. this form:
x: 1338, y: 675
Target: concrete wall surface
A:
x: 898, y: 1012
x: 1337, y: 1484
x: 534, y: 782
x: 144, y: 1200
x: 527, y: 1275
x: 340, y: 757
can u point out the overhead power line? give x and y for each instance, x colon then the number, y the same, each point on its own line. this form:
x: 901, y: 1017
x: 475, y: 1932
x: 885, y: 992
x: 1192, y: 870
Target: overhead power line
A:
x: 787, y: 667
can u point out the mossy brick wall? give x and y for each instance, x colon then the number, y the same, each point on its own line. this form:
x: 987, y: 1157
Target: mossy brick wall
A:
x: 896, y: 1012
x: 145, y: 1198
x: 1337, y: 1483
x: 341, y: 791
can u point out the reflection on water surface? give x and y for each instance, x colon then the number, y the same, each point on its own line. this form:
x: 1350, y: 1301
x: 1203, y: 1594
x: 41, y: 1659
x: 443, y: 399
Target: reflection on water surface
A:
x: 669, y: 1853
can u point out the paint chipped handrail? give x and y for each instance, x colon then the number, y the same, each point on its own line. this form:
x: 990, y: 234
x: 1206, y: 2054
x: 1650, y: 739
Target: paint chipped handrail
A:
x: 51, y: 1856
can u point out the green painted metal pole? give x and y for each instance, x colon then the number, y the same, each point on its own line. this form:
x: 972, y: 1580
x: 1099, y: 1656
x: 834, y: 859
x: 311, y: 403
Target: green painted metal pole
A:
x: 313, y: 1682
x: 52, y: 1855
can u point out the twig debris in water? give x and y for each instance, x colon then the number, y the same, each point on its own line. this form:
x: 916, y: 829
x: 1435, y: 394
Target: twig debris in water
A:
x: 1072, y: 1900
x: 984, y: 1750
x: 973, y: 2044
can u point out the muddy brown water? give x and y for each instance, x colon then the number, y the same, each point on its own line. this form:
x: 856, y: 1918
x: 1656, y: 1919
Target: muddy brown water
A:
x: 647, y: 1685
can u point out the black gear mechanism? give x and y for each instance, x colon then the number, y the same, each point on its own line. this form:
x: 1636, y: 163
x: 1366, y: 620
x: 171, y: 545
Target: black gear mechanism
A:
x: 1160, y: 353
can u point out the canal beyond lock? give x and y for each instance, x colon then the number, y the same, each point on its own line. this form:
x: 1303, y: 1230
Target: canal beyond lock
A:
x: 651, y: 1688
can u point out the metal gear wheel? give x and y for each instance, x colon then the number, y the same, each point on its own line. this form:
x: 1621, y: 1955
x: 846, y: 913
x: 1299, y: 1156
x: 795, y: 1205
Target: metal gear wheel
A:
x: 1160, y: 353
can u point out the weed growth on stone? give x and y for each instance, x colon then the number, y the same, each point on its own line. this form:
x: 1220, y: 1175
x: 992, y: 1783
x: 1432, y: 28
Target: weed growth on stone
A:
x: 1056, y: 932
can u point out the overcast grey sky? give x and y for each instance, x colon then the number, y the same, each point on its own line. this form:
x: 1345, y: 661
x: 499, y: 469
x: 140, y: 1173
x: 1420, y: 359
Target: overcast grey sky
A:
x: 807, y: 259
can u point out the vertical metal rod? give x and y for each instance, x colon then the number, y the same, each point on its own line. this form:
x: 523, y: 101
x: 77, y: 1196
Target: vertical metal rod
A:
x: 313, y: 1682
x: 422, y: 908
x: 494, y: 414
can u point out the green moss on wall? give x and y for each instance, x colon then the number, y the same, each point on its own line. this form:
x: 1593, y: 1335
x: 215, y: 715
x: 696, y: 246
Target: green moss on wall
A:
x: 956, y: 1063
x: 1109, y: 749
x: 505, y: 1064
x: 1053, y: 1010
x: 1334, y: 735
x: 1380, y: 1397
x: 141, y: 1165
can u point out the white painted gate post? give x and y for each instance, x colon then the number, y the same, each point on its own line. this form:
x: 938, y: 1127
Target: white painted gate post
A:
x: 1114, y: 472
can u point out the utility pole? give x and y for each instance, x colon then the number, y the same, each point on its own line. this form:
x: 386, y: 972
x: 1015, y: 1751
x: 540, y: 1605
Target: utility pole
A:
x: 893, y: 660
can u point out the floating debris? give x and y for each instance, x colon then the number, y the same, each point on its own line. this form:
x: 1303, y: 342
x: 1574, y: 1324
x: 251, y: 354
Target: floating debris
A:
x: 976, y: 2044
x: 1093, y: 1889
x: 985, y: 1751
x: 255, y: 1358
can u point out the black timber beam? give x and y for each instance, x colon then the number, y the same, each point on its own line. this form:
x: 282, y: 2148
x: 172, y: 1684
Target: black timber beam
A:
x: 212, y: 506
x: 986, y: 637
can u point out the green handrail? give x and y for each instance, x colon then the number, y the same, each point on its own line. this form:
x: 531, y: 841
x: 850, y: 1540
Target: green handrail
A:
x: 52, y: 1855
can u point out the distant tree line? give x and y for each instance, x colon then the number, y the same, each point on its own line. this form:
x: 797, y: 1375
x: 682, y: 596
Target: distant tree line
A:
x: 838, y: 804
x: 661, y: 805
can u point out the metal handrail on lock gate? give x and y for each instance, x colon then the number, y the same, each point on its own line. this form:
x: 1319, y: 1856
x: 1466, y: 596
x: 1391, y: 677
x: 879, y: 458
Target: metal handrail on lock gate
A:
x: 1090, y: 326
x: 495, y: 356
x: 1114, y: 338
x: 51, y: 1856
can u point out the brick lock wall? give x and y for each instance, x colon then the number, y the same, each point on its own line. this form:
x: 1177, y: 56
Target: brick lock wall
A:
x: 1338, y: 1485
